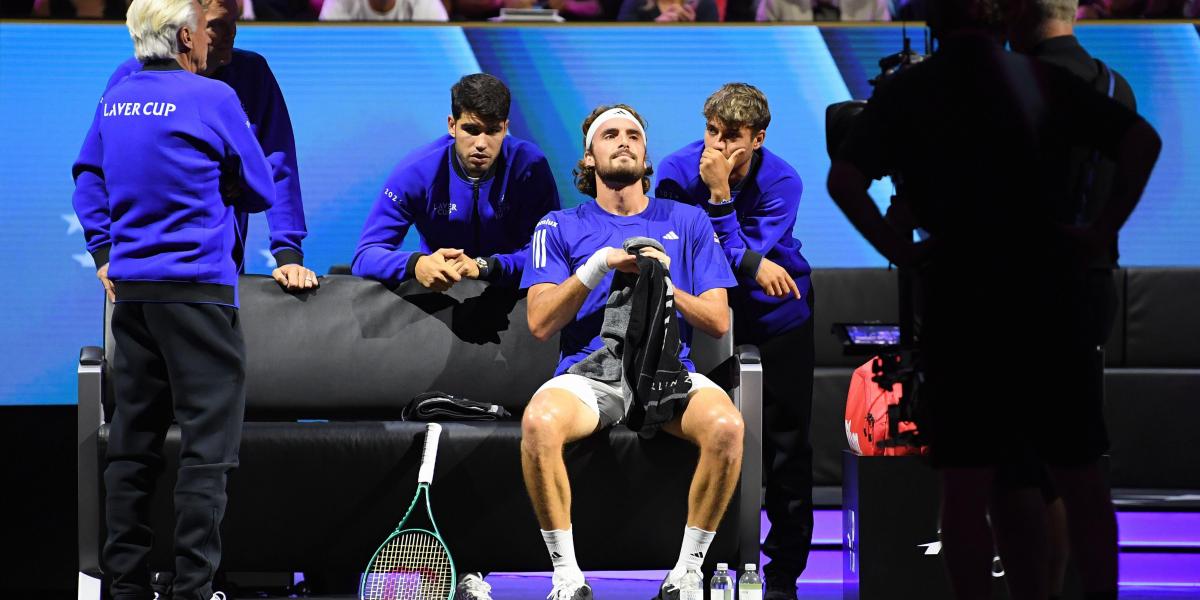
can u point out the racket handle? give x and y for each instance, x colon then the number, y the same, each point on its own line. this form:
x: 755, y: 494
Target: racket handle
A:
x: 433, y: 431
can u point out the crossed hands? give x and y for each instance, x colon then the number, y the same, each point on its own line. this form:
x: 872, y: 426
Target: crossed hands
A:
x: 684, y: 12
x: 443, y: 268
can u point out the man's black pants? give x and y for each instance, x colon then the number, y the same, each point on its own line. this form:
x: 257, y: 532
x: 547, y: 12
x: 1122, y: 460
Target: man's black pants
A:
x: 787, y: 364
x: 187, y: 361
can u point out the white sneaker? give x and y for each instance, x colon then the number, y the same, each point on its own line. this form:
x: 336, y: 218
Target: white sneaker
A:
x: 572, y: 590
x: 471, y: 586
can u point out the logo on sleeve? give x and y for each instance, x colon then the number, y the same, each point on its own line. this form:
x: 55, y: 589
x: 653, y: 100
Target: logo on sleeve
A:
x: 671, y: 235
x: 538, y: 248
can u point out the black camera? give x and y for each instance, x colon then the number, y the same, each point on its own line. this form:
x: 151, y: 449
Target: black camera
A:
x: 894, y: 343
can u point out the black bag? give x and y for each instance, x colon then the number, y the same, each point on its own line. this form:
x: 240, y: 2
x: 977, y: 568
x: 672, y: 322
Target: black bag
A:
x: 440, y: 406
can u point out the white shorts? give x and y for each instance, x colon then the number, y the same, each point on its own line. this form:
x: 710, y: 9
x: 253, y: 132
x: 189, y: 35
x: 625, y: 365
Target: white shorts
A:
x: 607, y: 399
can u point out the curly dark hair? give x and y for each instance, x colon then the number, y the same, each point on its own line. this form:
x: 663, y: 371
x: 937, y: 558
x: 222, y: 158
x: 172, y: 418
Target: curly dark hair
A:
x: 585, y: 176
x: 481, y: 94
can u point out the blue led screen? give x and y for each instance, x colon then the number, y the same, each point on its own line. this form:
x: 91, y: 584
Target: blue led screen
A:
x: 362, y: 96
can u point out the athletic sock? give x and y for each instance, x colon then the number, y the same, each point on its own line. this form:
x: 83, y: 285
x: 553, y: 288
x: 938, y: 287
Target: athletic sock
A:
x: 691, y: 553
x: 561, y: 546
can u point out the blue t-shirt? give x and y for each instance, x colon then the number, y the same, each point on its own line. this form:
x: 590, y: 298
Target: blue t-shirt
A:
x: 564, y: 239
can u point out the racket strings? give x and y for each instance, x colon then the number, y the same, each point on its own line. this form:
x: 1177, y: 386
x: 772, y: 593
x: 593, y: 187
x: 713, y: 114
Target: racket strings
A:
x: 413, y: 565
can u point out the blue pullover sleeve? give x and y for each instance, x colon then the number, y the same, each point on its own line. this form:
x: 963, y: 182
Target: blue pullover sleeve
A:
x: 91, y: 197
x: 379, y: 255
x: 542, y: 199
x: 285, y: 218
x: 748, y: 238
x: 246, y: 180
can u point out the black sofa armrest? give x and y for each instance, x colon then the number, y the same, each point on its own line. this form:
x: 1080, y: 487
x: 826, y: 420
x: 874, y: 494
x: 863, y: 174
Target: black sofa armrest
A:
x: 89, y: 418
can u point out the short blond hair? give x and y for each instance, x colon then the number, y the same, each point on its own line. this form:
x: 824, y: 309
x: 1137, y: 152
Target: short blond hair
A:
x: 738, y: 105
x: 154, y: 26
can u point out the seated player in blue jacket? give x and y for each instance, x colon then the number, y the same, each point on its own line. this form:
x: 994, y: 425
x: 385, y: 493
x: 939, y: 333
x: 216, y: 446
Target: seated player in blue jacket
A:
x: 251, y: 78
x: 568, y: 277
x: 474, y: 196
x: 180, y: 162
x: 751, y: 196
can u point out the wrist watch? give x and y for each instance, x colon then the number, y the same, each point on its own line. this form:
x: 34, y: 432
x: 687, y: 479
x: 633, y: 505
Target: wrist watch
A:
x: 719, y: 201
x: 483, y: 267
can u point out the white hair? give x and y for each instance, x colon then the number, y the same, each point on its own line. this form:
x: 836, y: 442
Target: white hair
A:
x: 1059, y: 10
x: 154, y: 26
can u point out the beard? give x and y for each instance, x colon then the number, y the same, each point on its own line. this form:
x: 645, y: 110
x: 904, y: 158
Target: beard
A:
x: 617, y: 178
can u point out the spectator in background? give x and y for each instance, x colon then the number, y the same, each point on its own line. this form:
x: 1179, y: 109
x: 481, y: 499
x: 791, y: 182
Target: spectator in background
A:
x: 824, y: 10
x: 669, y: 11
x: 279, y: 10
x: 478, y: 10
x: 383, y: 10
x: 1134, y: 9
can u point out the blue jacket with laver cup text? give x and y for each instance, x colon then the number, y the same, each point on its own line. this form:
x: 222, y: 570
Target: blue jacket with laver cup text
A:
x: 179, y: 157
x: 251, y: 78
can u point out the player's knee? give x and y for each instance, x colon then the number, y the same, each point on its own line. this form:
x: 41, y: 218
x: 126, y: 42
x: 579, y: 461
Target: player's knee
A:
x: 541, y: 424
x: 725, y: 433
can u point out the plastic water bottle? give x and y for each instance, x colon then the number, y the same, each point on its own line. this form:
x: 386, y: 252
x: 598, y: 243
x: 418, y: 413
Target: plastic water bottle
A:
x: 750, y: 584
x: 721, y: 586
x: 691, y: 585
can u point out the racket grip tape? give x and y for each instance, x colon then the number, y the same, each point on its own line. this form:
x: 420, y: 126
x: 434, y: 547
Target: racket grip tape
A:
x: 433, y: 431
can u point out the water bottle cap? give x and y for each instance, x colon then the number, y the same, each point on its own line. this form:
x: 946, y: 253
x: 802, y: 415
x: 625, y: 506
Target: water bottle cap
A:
x: 723, y: 566
x: 750, y: 566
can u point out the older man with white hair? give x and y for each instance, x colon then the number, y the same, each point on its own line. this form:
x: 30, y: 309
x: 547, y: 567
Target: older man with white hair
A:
x: 179, y: 158
x: 251, y: 77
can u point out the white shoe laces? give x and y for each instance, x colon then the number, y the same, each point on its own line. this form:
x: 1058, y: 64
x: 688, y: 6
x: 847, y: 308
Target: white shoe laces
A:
x: 473, y: 587
x: 565, y: 591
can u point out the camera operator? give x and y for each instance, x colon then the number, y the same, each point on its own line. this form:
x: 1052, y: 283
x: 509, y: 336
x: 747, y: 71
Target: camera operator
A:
x: 1044, y: 29
x: 977, y: 135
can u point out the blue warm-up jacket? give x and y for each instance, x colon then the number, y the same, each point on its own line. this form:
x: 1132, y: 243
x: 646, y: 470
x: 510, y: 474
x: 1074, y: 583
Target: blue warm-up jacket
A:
x: 251, y: 78
x: 757, y: 224
x: 492, y: 218
x: 177, y: 156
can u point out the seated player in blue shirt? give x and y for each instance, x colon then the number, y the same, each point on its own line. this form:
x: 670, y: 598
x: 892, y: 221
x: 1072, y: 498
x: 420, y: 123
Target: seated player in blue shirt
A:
x: 474, y: 196
x: 568, y: 276
x: 751, y: 196
x: 251, y: 78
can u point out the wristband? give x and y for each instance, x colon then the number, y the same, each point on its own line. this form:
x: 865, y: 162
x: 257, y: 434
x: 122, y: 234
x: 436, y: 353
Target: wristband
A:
x: 594, y: 269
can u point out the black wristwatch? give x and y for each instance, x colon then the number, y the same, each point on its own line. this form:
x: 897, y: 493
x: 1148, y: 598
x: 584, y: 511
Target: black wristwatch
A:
x: 484, y: 268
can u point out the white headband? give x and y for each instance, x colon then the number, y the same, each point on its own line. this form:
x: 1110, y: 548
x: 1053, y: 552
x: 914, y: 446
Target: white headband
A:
x: 608, y: 115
